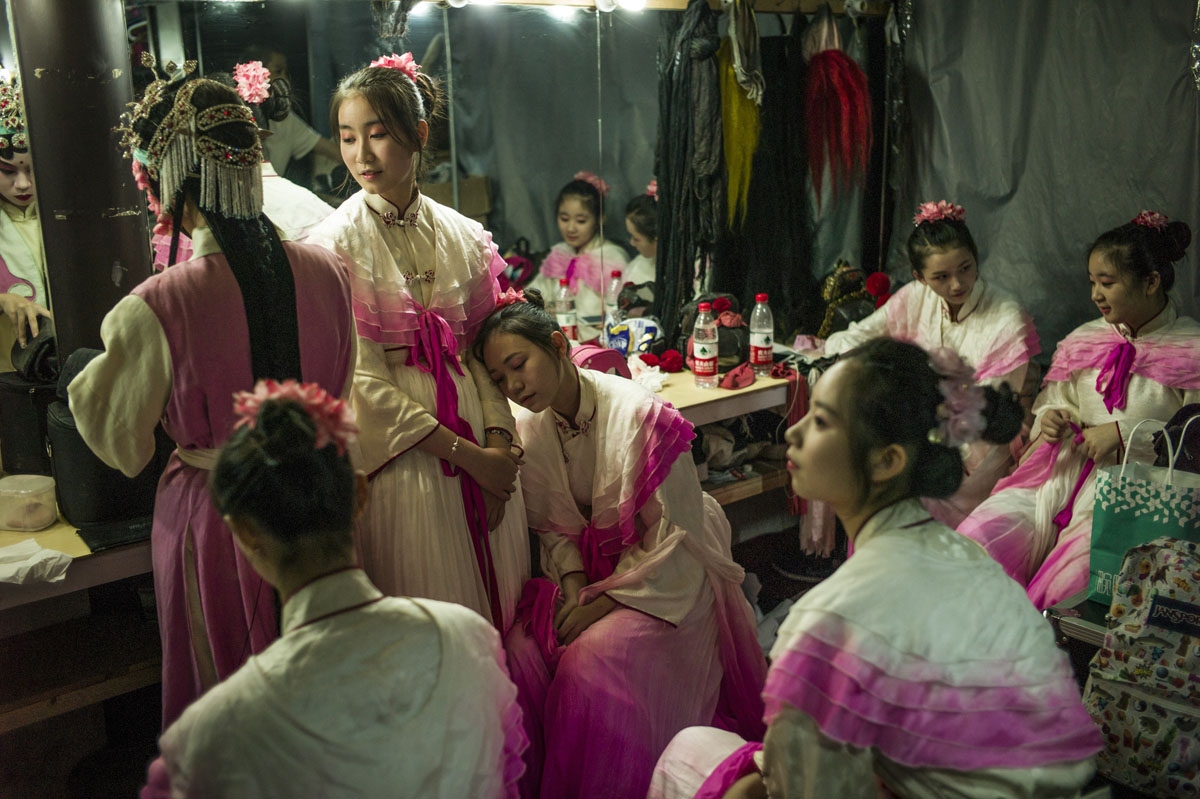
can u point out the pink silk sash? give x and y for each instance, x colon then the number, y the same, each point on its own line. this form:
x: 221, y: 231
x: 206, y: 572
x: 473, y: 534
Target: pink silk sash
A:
x: 1113, y: 380
x: 434, y: 351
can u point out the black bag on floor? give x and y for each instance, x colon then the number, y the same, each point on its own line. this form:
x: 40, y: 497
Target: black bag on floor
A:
x: 23, y: 406
x: 90, y: 492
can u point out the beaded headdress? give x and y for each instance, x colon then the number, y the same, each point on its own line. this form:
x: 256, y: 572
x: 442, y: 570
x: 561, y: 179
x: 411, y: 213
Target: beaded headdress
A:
x: 183, y: 145
x: 12, y: 117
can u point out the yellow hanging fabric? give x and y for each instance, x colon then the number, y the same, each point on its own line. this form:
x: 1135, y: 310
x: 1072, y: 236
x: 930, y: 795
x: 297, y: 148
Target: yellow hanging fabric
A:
x: 740, y: 127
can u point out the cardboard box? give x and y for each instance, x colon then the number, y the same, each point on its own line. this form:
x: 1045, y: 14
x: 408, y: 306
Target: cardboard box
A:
x: 474, y: 196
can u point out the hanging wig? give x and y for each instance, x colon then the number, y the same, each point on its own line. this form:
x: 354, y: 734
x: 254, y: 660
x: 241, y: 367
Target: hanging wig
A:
x: 838, y: 110
x: 740, y: 128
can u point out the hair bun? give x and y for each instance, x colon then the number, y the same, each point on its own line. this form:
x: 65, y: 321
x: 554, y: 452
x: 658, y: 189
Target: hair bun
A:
x: 1175, y: 238
x: 1004, y: 414
x: 534, y: 297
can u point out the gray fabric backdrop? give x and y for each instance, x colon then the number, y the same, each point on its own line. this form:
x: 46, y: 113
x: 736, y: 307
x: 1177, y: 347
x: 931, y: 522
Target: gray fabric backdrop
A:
x: 1052, y: 121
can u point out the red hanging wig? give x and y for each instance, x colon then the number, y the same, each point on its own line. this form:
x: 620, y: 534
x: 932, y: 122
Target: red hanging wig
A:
x: 838, y: 108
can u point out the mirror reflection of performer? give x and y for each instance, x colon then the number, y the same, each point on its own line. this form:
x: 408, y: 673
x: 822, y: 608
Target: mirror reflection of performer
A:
x: 23, y: 294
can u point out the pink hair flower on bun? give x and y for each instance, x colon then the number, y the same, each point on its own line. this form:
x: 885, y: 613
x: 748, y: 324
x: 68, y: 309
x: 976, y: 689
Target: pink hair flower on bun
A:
x: 1151, y: 219
x: 960, y: 415
x: 332, y: 418
x: 405, y: 63
x: 652, y: 190
x: 509, y: 297
x: 592, y: 178
x: 934, y: 212
x: 253, y: 81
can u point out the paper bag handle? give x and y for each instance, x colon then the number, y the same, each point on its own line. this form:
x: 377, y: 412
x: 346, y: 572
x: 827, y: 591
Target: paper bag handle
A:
x: 1170, y: 448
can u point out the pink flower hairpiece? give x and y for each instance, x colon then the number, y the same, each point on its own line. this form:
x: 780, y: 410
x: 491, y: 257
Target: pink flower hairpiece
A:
x: 1151, y: 219
x: 933, y: 212
x: 332, y: 418
x: 509, y: 297
x: 652, y: 190
x: 405, y: 63
x: 963, y: 402
x: 162, y: 220
x: 253, y: 81
x: 589, y: 177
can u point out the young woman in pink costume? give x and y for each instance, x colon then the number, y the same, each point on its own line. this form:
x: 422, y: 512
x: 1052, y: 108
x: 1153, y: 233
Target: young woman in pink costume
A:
x: 446, y: 520
x: 583, y: 256
x: 363, y: 695
x: 641, y: 628
x: 918, y: 668
x: 949, y: 305
x: 1138, y: 361
x: 246, y: 307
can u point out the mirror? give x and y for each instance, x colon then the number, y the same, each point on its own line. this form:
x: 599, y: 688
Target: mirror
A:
x: 536, y: 93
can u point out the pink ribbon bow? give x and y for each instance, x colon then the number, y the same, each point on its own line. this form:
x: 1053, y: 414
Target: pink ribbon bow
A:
x: 1113, y: 380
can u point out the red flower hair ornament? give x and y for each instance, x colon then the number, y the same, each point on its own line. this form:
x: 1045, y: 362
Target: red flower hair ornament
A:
x: 332, y: 418
x: 405, y: 63
x: 935, y: 212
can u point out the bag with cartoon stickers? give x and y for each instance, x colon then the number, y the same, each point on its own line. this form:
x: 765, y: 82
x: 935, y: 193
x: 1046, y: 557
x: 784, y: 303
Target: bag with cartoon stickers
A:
x: 1143, y: 688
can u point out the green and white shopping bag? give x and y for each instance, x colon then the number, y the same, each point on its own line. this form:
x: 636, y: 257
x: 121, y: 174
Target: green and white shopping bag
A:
x: 1136, y: 503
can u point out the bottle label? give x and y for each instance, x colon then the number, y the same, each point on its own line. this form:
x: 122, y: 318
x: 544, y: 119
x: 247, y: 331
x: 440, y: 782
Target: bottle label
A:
x: 760, y: 340
x: 704, y: 367
x: 704, y: 349
x: 568, y: 322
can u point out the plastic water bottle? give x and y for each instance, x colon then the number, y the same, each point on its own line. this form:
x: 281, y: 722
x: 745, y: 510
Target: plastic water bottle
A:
x: 612, y: 307
x: 704, y: 347
x: 762, y: 336
x: 564, y: 310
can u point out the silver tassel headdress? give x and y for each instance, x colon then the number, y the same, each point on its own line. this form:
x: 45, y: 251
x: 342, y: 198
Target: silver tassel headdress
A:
x: 183, y: 147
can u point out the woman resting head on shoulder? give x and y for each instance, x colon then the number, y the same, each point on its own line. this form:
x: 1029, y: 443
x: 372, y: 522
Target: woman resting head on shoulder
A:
x: 640, y: 628
x: 918, y: 668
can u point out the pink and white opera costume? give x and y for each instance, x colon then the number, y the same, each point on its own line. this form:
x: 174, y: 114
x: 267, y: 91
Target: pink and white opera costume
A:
x: 1038, y: 522
x: 423, y: 280
x: 617, y: 498
x: 885, y: 682
x: 588, y: 272
x: 177, y: 349
x: 293, y: 209
x: 992, y: 333
x: 363, y: 695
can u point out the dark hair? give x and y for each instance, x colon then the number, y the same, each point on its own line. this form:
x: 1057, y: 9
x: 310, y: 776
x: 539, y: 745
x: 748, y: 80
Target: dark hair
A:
x: 894, y: 397
x: 1139, y: 250
x: 275, y: 108
x: 586, y: 193
x: 642, y: 210
x: 400, y: 102
x: 274, y: 474
x: 529, y: 320
x: 938, y: 235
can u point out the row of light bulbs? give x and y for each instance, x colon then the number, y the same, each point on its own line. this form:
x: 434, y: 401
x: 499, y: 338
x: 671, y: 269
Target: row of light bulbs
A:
x: 560, y: 11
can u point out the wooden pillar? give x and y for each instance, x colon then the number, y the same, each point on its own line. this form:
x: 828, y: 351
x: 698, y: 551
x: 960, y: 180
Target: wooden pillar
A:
x: 74, y: 65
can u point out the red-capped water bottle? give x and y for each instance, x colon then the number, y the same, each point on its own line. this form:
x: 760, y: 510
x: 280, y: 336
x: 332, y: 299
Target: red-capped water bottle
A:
x: 704, y: 347
x: 762, y: 336
x: 612, y: 303
x: 564, y: 310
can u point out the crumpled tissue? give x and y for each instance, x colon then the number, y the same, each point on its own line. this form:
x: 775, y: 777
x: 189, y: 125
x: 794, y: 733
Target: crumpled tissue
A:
x: 30, y: 562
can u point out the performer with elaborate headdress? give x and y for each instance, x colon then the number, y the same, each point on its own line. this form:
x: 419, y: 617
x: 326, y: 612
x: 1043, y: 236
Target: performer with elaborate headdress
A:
x: 248, y: 306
